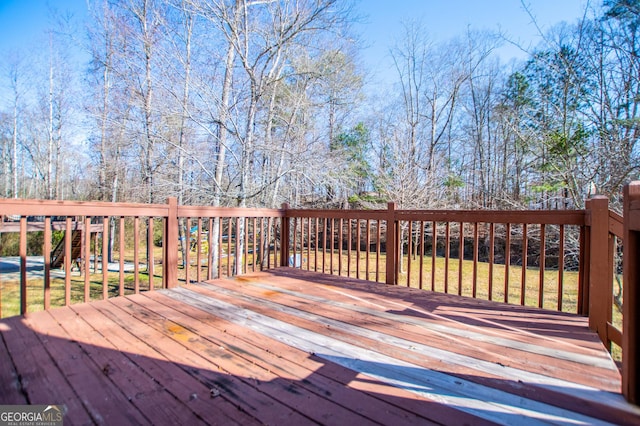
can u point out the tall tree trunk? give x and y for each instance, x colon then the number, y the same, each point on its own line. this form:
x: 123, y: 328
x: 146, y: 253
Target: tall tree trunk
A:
x: 221, y: 149
x: 49, y: 178
x: 183, y: 233
x: 14, y: 140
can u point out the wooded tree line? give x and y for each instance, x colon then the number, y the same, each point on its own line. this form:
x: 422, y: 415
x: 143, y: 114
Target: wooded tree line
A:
x: 260, y: 102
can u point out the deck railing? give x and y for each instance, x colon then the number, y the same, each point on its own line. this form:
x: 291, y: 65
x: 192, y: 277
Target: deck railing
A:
x: 230, y: 241
x: 129, y: 248
x: 515, y: 257
x: 564, y: 260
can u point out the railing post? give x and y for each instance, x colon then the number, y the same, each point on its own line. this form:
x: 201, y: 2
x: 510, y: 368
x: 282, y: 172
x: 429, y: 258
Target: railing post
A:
x: 284, y: 236
x: 170, y: 268
x: 600, y: 277
x: 631, y: 294
x: 391, y: 263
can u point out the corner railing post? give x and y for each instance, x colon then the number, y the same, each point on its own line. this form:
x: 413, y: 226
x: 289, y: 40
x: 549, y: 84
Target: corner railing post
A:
x: 600, y: 277
x: 391, y: 263
x: 284, y: 236
x: 170, y: 267
x: 631, y: 294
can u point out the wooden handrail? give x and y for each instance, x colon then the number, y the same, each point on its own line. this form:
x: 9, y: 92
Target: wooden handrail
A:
x: 10, y: 206
x: 556, y: 217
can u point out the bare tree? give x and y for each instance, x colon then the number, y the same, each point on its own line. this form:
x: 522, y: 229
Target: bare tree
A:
x: 16, y: 72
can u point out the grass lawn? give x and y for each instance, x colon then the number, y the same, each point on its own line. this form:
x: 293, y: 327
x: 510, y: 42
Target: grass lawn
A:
x: 451, y: 277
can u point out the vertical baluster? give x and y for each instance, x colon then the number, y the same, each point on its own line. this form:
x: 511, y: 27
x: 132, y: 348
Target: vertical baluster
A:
x: 491, y: 258
x: 507, y: 261
x: 121, y: 256
x: 358, y: 238
x: 209, y: 250
x: 331, y: 241
x: 295, y: 243
x: 409, y: 251
x: 46, y: 251
x: 187, y: 252
x: 219, y: 251
x: 229, y: 235
x: 421, y: 262
x: 350, y: 238
x: 67, y: 261
x: 254, y: 248
x: 379, y: 234
x: 447, y: 248
x: 309, y: 244
x: 340, y: 242
x: 434, y: 249
x: 560, y: 267
x: 542, y: 265
x: 324, y: 245
x: 136, y: 255
x: 262, y: 243
x: 460, y: 256
x: 95, y: 252
x: 86, y: 254
x: 237, y: 253
x: 105, y: 257
x: 150, y: 257
x: 245, y: 258
x: 525, y: 249
x: 476, y: 249
x: 23, y: 265
x: 317, y: 242
x: 199, y: 250
x: 269, y: 226
x: 368, y: 236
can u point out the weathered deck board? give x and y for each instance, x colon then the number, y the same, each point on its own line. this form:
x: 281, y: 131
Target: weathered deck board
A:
x: 265, y: 390
x: 602, y: 372
x: 41, y: 381
x: 294, y: 347
x: 146, y: 394
x: 275, y: 353
x: 302, y: 371
x: 183, y: 384
x: 387, y: 364
x: 9, y: 380
x: 415, y: 334
x: 166, y: 343
x: 90, y: 382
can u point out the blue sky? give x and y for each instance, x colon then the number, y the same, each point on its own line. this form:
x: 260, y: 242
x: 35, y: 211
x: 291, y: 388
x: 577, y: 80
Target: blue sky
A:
x: 445, y: 19
x: 22, y: 21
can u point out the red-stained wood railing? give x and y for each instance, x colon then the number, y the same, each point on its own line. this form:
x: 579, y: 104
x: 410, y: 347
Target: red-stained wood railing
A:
x: 446, y: 251
x: 416, y: 249
x: 343, y: 242
x: 246, y: 239
x: 604, y: 280
x: 123, y: 225
x: 470, y: 253
x: 95, y: 221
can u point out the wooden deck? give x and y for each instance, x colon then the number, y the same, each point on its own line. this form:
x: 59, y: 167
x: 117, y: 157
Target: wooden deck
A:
x: 295, y: 347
